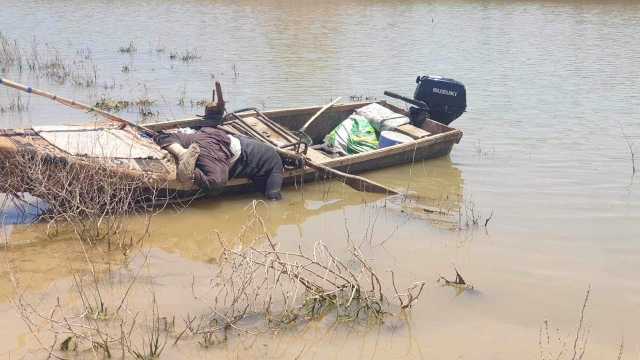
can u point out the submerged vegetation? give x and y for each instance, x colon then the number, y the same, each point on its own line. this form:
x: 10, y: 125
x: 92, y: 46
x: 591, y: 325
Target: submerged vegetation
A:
x: 183, y: 102
x: 46, y: 62
x: 186, y: 56
x: 16, y: 105
x: 260, y: 288
x: 470, y: 217
x: 630, y: 147
x: 43, y: 61
x: 143, y: 106
x: 129, y: 49
x: 556, y: 346
x: 299, y: 284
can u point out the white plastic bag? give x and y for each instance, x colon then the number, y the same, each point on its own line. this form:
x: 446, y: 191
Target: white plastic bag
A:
x: 381, y: 118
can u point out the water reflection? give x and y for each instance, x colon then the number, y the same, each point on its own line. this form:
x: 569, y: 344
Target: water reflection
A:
x: 22, y: 210
x: 193, y: 232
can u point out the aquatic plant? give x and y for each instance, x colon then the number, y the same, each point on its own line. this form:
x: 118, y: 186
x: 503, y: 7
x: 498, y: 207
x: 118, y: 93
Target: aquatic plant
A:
x: 191, y: 103
x: 111, y: 105
x: 95, y: 327
x: 46, y: 62
x: 129, y: 49
x: 236, y: 73
x: 574, y: 347
x: 258, y: 289
x: 630, y: 147
x: 143, y: 105
x: 189, y: 56
x: 470, y: 217
x: 10, y: 54
x: 291, y: 286
x: 154, y: 340
x: 186, y: 56
x: 16, y: 105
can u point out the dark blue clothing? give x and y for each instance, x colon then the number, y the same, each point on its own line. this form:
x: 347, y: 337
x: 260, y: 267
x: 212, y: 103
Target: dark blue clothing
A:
x: 262, y: 164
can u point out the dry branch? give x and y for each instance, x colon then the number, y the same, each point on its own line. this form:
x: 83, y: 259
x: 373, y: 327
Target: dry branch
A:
x: 87, y: 195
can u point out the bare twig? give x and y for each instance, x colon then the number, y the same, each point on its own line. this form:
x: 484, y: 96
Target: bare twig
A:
x: 578, y: 352
x: 627, y: 140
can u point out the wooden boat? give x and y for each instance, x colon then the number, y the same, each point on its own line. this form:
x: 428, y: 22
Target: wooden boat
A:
x: 122, y: 152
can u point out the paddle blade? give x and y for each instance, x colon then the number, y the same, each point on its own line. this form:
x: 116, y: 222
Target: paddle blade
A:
x: 365, y: 185
x: 358, y: 183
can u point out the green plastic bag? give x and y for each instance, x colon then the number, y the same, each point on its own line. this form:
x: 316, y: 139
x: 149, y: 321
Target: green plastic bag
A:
x: 354, y: 135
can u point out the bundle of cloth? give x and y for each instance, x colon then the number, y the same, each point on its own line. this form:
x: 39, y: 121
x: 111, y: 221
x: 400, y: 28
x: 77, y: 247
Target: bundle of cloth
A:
x: 209, y: 157
x: 361, y: 130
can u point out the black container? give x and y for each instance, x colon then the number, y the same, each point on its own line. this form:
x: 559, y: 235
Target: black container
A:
x: 446, y: 98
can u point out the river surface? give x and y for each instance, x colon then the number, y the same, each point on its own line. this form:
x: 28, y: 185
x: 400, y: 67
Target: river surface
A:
x: 554, y: 109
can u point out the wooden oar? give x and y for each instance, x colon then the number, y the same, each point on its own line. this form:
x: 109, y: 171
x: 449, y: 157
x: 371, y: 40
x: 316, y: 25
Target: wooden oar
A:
x: 72, y: 103
x: 320, y: 112
x: 358, y: 183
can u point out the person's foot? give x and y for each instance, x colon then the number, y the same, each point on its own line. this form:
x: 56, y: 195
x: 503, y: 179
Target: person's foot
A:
x: 274, y: 196
x: 187, y: 163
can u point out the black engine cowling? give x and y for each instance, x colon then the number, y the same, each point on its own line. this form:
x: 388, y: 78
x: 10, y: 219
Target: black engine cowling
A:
x: 446, y: 98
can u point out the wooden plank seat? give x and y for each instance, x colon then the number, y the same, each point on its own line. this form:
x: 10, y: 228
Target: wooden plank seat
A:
x: 413, y: 131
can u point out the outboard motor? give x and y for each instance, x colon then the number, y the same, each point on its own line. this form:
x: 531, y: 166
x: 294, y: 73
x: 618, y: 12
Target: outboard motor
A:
x: 446, y: 98
x: 437, y: 98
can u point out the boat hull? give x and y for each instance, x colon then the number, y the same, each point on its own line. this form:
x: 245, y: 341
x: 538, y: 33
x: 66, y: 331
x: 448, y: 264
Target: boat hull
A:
x: 155, y: 174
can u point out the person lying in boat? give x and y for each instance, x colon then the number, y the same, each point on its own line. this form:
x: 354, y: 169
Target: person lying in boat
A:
x: 210, y: 157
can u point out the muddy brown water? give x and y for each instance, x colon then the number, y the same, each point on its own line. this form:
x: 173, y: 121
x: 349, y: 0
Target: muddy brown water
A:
x: 553, y: 105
